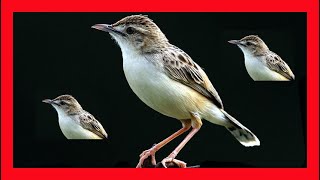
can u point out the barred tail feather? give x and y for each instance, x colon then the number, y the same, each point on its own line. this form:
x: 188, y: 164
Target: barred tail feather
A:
x: 240, y: 132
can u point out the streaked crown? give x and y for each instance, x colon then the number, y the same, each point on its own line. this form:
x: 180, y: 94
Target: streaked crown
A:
x: 136, y: 32
x: 65, y: 102
x: 251, y: 44
x: 254, y: 42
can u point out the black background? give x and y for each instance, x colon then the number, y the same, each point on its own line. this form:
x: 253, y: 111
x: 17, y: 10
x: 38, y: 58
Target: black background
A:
x: 58, y: 53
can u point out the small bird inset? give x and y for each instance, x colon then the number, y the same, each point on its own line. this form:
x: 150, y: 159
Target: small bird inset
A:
x: 166, y: 79
x: 76, y: 123
x: 261, y: 63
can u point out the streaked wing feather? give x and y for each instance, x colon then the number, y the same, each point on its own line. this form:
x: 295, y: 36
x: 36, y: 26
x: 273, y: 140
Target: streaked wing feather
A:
x: 88, y: 122
x: 180, y: 67
x: 275, y: 63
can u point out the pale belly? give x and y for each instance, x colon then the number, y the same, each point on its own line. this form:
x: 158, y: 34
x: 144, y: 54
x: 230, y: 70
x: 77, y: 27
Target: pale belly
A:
x: 159, y: 91
x: 71, y: 130
x: 259, y: 72
x: 167, y: 96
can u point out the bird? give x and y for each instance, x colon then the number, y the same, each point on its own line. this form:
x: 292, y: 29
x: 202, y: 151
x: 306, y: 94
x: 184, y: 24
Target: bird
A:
x: 74, y: 122
x: 261, y: 63
x: 167, y: 80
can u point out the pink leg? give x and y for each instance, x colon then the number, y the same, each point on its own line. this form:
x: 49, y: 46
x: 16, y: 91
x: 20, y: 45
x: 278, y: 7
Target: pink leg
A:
x: 196, y: 123
x: 151, y: 152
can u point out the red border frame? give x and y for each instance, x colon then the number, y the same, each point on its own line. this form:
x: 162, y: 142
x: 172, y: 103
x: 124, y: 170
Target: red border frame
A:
x: 309, y: 6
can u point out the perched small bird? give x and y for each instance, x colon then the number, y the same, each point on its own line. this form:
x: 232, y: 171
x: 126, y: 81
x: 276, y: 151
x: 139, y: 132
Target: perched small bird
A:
x: 76, y: 123
x: 261, y: 63
x: 166, y: 79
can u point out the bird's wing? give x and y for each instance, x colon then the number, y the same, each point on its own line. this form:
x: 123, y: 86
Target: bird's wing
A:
x: 88, y: 122
x: 179, y: 66
x: 275, y: 63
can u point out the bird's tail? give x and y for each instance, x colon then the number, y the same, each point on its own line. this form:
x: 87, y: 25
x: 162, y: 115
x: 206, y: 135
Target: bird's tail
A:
x: 241, y: 133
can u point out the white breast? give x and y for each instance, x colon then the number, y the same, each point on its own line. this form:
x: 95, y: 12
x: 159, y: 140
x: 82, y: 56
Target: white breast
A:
x: 156, y: 89
x: 258, y: 70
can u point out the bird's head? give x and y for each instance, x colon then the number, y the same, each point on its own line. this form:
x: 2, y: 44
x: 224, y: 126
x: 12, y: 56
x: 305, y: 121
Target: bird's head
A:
x: 135, y: 33
x: 251, y: 44
x: 64, y: 103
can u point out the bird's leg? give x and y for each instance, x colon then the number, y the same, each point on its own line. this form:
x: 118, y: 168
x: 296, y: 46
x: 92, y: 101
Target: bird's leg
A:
x: 186, y: 124
x: 174, y: 153
x: 196, y: 125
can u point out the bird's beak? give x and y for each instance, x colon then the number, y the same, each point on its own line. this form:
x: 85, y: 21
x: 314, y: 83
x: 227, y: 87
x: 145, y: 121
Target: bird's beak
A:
x: 49, y: 101
x: 236, y: 42
x: 107, y: 28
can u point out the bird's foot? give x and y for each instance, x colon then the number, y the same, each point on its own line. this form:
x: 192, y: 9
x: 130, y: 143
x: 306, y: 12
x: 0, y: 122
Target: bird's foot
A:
x: 145, y: 155
x: 177, y: 162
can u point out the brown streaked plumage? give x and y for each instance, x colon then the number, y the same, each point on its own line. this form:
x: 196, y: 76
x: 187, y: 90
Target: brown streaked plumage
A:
x: 182, y: 68
x: 142, y: 20
x: 275, y: 63
x: 72, y: 107
x: 256, y: 42
x: 254, y: 38
x: 90, y: 123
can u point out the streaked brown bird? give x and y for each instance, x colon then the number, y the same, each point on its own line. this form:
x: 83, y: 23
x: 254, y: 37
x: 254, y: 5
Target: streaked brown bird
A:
x: 74, y: 122
x: 261, y: 63
x: 166, y: 79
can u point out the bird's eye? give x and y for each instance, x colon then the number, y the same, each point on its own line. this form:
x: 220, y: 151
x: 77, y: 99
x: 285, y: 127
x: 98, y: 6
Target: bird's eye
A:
x: 249, y: 43
x: 130, y: 30
x: 62, y: 103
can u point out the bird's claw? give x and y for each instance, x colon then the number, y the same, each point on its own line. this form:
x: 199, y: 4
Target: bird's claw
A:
x: 179, y: 163
x: 145, y: 155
